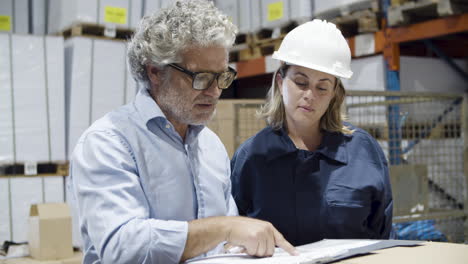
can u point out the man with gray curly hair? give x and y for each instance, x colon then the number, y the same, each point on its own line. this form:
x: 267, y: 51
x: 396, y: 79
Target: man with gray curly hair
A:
x: 150, y: 180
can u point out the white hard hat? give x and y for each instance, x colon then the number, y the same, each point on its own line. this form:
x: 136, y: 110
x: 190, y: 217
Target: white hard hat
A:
x: 317, y: 45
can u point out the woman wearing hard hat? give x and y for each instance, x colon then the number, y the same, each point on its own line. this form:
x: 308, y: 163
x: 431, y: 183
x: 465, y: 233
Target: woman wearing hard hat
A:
x: 308, y: 173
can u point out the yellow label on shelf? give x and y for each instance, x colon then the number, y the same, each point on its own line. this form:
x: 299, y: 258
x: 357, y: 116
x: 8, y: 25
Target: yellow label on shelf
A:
x: 275, y: 11
x: 5, y: 23
x: 116, y: 15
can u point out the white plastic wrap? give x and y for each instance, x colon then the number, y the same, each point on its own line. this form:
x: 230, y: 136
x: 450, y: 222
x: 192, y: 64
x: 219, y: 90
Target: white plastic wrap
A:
x: 255, y: 14
x: 368, y: 74
x: 38, y: 17
x: 63, y: 14
x: 32, y: 95
x: 301, y: 10
x: 17, y: 12
x: 279, y: 13
x: 245, y: 18
x: 166, y: 3
x: 30, y: 99
x: 151, y: 6
x: 97, y: 82
x: 275, y: 13
x: 5, y: 233
x: 6, y: 103
x: 230, y: 8
x: 417, y: 74
x: 31, y: 91
x: 321, y: 6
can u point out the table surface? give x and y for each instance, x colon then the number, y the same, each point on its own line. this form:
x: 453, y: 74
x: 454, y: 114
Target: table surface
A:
x: 428, y: 252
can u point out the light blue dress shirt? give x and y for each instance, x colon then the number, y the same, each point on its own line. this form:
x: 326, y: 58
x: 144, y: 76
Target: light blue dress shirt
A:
x: 137, y: 184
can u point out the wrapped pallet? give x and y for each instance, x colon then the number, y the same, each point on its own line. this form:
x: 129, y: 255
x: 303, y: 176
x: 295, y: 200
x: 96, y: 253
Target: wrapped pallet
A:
x: 280, y: 13
x: 255, y: 15
x: 275, y: 13
x: 301, y: 11
x: 231, y: 9
x: 31, y: 125
x: 321, y: 6
x: 151, y: 6
x: 23, y: 16
x: 14, y: 16
x: 245, y: 14
x: 38, y: 17
x: 109, y: 13
x: 97, y: 81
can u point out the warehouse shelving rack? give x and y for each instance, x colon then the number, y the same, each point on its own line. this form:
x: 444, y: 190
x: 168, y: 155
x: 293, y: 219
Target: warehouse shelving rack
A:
x: 435, y: 36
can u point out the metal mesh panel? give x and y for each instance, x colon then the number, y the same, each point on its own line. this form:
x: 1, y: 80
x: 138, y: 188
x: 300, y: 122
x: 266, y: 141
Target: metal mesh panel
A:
x: 235, y: 121
x: 247, y: 124
x: 425, y: 130
x: 415, y: 130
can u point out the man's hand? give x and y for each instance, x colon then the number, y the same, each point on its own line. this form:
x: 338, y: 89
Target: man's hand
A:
x: 259, y: 238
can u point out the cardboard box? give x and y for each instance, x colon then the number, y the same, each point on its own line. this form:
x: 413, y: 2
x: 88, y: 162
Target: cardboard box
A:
x: 50, y: 231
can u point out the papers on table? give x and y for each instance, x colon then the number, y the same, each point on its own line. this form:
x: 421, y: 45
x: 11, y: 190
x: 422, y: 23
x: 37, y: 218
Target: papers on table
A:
x: 320, y: 252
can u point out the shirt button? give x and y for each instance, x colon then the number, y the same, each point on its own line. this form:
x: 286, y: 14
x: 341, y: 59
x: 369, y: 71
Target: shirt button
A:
x: 168, y: 126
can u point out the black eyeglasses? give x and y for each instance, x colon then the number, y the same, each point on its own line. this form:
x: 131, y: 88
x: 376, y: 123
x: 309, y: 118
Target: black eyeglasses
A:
x: 203, y: 80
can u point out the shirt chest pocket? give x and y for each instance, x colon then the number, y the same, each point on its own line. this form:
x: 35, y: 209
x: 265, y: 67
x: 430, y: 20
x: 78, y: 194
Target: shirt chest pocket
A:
x: 348, y: 210
x: 346, y: 196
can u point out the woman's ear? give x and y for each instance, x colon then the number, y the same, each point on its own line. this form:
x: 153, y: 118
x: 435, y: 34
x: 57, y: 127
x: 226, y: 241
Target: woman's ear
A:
x: 279, y: 82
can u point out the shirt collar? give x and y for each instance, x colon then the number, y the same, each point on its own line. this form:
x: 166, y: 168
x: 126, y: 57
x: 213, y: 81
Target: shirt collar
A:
x: 333, y: 145
x: 149, y: 110
x: 147, y: 107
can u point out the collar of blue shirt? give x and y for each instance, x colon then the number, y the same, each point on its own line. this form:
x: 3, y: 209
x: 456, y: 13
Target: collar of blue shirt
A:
x: 147, y: 107
x: 333, y: 146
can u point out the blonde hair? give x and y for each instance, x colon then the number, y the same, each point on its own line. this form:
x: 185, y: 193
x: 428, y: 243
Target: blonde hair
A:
x: 273, y: 110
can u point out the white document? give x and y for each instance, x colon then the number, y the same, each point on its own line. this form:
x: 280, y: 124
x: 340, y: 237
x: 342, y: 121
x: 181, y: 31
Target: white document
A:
x: 319, y: 252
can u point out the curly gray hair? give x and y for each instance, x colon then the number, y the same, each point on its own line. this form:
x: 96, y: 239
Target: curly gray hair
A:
x: 162, y: 36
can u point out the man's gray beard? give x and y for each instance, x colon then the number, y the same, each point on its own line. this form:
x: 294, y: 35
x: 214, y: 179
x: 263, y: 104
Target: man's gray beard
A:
x: 179, y: 116
x: 204, y: 123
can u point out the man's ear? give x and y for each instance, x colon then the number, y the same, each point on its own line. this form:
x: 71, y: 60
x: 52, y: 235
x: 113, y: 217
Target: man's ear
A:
x: 154, y: 74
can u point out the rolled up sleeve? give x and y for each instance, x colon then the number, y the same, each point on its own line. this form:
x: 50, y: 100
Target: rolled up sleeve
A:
x: 113, y: 209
